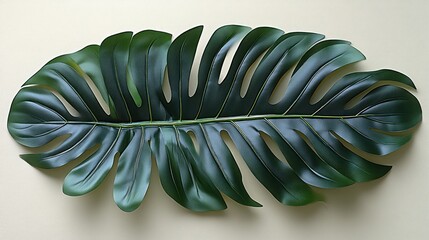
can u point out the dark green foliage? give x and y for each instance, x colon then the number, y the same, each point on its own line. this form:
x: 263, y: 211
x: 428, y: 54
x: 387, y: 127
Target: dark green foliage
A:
x: 369, y: 110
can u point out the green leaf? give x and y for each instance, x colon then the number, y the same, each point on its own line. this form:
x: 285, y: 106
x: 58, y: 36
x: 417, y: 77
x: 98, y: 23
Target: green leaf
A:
x: 132, y: 177
x: 106, y: 102
x: 179, y: 171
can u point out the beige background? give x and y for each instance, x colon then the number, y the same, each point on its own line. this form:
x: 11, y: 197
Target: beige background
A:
x: 392, y: 34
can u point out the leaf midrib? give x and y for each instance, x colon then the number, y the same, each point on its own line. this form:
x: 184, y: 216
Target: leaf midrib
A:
x: 164, y: 123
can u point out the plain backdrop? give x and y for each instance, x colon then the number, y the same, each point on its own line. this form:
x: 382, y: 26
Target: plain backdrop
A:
x: 391, y: 33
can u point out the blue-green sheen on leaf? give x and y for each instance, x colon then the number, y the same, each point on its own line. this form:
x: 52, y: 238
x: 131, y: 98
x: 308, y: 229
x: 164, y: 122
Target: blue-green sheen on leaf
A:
x: 106, y: 103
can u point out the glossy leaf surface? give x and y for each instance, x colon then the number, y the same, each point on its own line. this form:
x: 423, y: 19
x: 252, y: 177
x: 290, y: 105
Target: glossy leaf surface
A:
x: 108, y: 101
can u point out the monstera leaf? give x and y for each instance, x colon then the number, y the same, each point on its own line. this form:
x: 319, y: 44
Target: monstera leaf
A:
x: 107, y: 103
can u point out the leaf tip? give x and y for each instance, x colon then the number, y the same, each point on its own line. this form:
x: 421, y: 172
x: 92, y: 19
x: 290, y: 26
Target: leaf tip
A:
x: 128, y: 207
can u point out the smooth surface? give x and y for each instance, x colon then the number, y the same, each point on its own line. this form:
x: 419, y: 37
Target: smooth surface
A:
x: 392, y: 34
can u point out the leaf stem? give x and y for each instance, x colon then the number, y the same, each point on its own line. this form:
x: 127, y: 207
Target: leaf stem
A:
x: 162, y: 123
